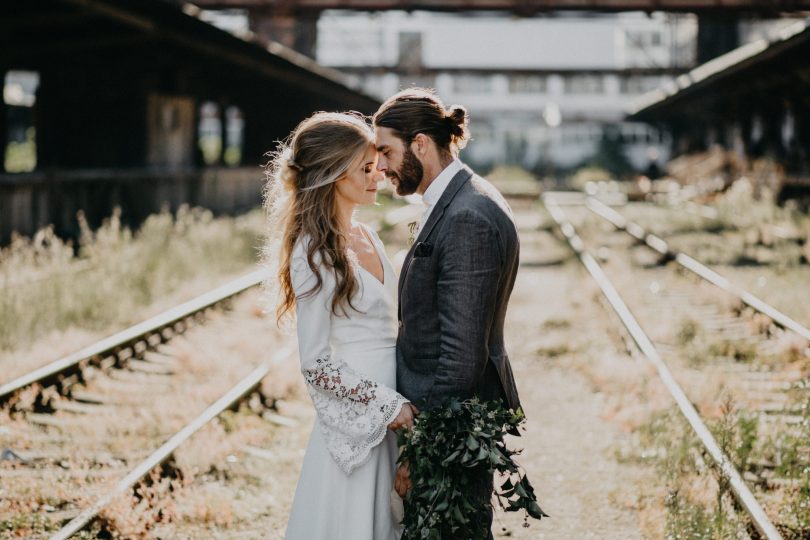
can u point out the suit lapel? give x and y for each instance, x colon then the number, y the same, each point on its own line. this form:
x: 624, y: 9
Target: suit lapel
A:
x: 436, y: 215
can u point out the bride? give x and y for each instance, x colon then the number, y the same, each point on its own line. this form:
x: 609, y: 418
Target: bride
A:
x: 333, y: 271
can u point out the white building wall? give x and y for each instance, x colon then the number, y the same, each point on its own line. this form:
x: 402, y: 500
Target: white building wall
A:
x: 569, y: 64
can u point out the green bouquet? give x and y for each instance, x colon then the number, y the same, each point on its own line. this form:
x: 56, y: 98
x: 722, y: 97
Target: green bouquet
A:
x: 452, y: 453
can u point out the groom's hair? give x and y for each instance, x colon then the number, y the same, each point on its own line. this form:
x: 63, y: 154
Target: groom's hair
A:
x: 419, y: 110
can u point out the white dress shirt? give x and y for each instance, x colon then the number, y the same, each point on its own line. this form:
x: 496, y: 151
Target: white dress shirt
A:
x: 436, y: 188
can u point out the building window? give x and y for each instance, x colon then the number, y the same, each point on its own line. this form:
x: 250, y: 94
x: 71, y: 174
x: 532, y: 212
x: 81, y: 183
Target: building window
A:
x: 527, y: 84
x: 20, y: 140
x: 643, y: 40
x: 636, y: 84
x: 584, y: 84
x: 472, y: 84
x: 209, y: 133
x: 234, y: 136
x: 410, y: 50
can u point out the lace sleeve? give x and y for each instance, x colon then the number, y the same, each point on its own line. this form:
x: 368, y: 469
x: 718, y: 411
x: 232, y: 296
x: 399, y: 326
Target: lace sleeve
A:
x: 353, y: 411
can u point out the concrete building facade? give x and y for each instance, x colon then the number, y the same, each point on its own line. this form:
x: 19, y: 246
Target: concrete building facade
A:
x: 543, y: 93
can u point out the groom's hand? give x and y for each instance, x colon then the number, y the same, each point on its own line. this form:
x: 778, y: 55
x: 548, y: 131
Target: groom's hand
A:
x: 404, y: 418
x: 402, y: 480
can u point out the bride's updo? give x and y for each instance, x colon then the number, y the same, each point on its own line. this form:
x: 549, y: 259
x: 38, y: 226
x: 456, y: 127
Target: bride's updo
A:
x: 300, y: 202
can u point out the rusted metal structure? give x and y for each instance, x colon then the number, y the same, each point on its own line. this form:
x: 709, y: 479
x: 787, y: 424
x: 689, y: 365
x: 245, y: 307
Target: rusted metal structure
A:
x: 754, y: 100
x: 294, y: 22
x: 118, y: 108
x: 523, y: 7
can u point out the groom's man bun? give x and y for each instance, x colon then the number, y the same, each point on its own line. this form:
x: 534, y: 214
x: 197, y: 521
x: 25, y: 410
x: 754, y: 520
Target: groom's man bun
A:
x: 420, y: 110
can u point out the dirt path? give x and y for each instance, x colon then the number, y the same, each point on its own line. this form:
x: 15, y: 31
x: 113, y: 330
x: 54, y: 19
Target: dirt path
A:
x: 568, y: 446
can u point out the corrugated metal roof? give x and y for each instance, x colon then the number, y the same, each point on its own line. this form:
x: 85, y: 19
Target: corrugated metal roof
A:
x: 733, y: 62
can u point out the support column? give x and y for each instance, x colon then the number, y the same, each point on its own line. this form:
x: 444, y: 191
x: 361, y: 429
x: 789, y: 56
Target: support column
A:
x: 3, y: 123
x: 223, y: 132
x: 298, y: 32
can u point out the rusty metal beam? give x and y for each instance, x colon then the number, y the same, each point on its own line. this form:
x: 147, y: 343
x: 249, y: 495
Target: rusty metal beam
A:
x: 517, y: 6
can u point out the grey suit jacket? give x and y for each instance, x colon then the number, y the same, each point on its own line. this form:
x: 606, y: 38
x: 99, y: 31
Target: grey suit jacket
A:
x: 453, y: 291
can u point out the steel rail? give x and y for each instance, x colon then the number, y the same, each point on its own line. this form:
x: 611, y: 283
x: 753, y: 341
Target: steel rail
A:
x: 227, y: 401
x: 658, y: 244
x: 131, y: 334
x: 741, y: 491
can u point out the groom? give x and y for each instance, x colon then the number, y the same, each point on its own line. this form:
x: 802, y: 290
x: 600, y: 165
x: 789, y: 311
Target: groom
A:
x: 457, y: 277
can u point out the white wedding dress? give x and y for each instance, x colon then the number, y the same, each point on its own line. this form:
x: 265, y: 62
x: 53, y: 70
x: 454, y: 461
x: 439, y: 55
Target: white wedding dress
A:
x: 349, y: 365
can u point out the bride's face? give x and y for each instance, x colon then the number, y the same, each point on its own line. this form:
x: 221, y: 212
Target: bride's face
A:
x: 359, y: 185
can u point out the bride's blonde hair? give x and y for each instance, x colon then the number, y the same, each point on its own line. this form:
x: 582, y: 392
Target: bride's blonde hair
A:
x: 300, y: 201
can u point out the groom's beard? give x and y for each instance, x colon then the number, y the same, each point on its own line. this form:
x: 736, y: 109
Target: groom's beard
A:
x: 409, y: 175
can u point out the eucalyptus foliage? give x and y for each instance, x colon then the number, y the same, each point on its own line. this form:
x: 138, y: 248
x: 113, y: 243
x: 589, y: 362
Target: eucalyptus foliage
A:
x: 452, y: 453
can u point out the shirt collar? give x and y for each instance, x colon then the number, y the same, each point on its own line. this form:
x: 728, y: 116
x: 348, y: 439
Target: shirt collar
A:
x: 436, y: 188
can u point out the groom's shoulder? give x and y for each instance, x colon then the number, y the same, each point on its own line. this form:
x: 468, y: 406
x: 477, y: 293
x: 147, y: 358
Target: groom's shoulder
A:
x: 480, y: 196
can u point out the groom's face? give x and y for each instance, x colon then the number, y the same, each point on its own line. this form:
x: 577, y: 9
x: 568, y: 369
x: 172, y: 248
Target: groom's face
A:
x: 402, y: 168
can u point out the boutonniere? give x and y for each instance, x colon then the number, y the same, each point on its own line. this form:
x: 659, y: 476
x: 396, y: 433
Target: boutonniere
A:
x: 412, y: 226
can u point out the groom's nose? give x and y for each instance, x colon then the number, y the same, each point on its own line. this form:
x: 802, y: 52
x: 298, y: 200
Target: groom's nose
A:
x: 382, y: 164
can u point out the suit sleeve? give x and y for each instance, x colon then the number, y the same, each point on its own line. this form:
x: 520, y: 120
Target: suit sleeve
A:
x: 469, y: 273
x: 353, y: 411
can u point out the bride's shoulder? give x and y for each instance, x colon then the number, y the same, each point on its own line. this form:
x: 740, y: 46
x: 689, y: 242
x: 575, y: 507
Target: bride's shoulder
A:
x: 301, y: 246
x: 372, y: 233
x: 299, y: 256
x: 300, y: 250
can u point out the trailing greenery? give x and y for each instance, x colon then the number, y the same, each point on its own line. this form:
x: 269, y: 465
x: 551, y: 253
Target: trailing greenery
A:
x: 452, y: 453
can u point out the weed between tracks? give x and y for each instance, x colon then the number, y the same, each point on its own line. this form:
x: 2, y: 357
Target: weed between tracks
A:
x: 697, y: 497
x: 758, y: 245
x: 771, y: 449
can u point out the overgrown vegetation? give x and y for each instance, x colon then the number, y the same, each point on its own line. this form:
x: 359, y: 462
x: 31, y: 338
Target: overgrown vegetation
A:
x: 747, y: 228
x: 107, y: 280
x: 700, y: 347
x: 699, y: 502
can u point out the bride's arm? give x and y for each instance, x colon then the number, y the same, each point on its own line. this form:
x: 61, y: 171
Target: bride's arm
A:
x: 354, y: 411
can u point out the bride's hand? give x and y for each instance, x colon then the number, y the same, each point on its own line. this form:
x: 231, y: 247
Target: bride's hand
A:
x: 402, y: 480
x: 404, y: 418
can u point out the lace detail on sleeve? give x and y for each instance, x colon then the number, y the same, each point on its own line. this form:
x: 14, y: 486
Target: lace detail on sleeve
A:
x: 354, y: 412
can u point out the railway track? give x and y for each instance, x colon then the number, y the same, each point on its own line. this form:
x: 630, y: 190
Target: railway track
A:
x: 135, y: 362
x: 120, y: 349
x: 660, y: 246
x: 107, y: 420
x: 764, y: 390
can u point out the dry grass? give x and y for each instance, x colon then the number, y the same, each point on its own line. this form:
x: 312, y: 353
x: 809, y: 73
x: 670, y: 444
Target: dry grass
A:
x: 208, y: 360
x: 116, y: 275
x: 697, y: 501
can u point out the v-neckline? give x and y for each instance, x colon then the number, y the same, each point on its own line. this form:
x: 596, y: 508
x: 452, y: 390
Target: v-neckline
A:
x: 379, y: 258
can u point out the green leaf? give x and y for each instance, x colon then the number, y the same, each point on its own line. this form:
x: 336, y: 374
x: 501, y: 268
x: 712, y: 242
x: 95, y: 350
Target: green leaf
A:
x: 535, y: 511
x: 452, y: 457
x: 472, y: 444
x: 458, y: 515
